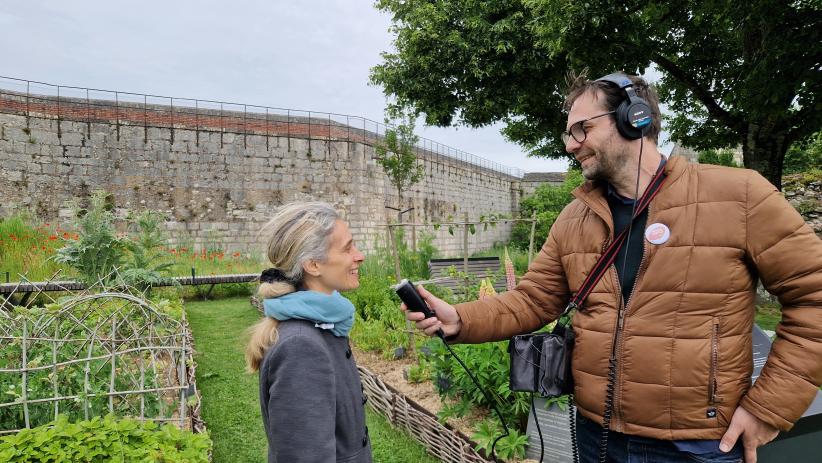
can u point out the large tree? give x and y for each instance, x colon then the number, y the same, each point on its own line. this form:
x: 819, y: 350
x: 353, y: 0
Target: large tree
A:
x: 732, y: 72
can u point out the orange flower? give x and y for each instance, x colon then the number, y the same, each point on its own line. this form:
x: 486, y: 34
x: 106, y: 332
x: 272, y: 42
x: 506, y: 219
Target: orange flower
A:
x: 52, y: 237
x: 66, y: 235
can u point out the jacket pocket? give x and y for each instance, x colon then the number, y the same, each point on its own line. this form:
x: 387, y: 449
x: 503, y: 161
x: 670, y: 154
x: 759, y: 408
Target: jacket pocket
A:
x: 713, y: 382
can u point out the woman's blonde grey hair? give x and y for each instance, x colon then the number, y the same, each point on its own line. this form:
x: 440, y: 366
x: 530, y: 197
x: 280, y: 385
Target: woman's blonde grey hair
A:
x: 297, y: 233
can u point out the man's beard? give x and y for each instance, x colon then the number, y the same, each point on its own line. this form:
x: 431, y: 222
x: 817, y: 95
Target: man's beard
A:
x: 607, y: 167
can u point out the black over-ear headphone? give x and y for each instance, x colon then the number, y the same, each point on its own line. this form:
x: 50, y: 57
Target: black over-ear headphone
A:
x: 633, y: 115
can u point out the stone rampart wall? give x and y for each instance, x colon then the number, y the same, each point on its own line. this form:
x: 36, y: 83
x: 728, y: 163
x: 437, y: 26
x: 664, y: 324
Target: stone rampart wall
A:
x: 219, y: 176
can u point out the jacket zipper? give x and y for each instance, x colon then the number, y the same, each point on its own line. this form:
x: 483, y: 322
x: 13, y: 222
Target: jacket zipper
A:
x: 713, y: 398
x: 616, y: 349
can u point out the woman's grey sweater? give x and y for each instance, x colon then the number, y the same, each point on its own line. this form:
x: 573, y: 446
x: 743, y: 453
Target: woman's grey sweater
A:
x: 312, y: 399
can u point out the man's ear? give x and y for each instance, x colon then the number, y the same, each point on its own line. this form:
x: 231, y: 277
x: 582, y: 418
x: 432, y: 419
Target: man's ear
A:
x: 312, y: 267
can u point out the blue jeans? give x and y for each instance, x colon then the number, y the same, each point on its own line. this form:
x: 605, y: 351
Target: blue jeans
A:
x: 623, y: 448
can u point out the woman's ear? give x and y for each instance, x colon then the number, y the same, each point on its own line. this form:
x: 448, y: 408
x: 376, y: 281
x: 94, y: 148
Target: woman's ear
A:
x: 312, y: 267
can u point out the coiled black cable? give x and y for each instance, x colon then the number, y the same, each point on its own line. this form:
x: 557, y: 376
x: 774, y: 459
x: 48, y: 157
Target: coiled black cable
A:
x: 572, y: 423
x: 609, y: 406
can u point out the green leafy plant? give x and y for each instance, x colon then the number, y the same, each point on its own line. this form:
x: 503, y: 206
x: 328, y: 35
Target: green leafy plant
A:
x: 561, y: 402
x: 809, y: 205
x: 489, y: 363
x: 453, y: 408
x: 413, y: 265
x: 804, y: 155
x: 86, y: 384
x: 396, y: 156
x: 479, y: 63
x: 518, y: 256
x: 510, y: 446
x: 419, y: 372
x: 98, y: 251
x: 547, y: 201
x: 468, y: 284
x: 105, y: 439
x: 378, y: 324
x: 722, y: 157
x: 147, y: 262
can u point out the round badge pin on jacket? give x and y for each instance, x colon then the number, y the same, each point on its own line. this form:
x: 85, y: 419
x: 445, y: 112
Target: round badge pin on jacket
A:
x: 657, y: 233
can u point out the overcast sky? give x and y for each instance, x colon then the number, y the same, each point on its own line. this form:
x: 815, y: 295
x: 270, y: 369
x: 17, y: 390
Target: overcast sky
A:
x: 306, y: 54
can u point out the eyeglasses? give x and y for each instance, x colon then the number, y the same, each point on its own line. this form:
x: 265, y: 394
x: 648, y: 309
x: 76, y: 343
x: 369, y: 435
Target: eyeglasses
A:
x: 577, y: 129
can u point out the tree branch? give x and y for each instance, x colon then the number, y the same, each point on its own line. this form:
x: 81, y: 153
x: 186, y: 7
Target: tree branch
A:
x: 702, y: 94
x: 801, y: 130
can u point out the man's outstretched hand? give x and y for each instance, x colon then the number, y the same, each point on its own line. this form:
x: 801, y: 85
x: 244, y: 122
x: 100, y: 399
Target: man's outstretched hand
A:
x: 447, y: 319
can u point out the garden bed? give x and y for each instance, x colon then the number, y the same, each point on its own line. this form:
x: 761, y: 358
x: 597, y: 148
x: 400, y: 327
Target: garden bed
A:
x: 423, y: 393
x: 414, y: 406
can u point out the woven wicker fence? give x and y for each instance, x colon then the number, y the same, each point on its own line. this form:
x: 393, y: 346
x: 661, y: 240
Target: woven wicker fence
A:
x: 441, y: 441
x: 91, y: 354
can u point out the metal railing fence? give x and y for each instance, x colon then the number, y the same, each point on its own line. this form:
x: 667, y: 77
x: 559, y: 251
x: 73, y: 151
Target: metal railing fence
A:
x: 127, y: 109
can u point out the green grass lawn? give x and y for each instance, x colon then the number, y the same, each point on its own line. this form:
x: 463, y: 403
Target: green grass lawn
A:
x: 231, y: 407
x: 768, y: 316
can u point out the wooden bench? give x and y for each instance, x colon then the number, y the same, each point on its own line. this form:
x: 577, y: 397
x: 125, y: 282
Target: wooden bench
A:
x: 479, y: 267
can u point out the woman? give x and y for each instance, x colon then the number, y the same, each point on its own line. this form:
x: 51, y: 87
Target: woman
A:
x: 310, y: 392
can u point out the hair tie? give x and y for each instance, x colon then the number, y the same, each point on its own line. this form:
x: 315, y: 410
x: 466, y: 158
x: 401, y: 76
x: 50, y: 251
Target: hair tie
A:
x: 272, y: 275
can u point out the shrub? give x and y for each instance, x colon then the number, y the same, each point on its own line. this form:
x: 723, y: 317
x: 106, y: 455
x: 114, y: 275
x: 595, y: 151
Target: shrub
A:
x: 547, y: 201
x: 98, y: 251
x: 147, y: 262
x: 105, y: 439
x: 413, y: 265
x: 379, y: 323
x: 489, y: 363
x: 718, y: 157
x: 804, y: 155
x: 519, y: 257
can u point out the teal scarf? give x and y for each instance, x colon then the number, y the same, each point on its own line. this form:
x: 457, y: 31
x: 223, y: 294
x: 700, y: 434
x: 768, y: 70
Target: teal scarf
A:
x: 329, y: 311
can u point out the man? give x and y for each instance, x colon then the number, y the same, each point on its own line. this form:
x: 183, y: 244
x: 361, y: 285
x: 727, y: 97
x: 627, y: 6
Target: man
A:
x: 677, y: 306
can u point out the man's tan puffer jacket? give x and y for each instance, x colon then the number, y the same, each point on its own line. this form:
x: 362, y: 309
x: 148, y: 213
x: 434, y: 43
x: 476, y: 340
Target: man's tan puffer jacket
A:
x: 685, y: 345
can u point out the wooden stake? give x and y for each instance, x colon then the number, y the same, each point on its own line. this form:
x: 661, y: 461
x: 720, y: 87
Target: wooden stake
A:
x: 414, y: 230
x: 394, y: 253
x: 397, y: 273
x: 465, y: 245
